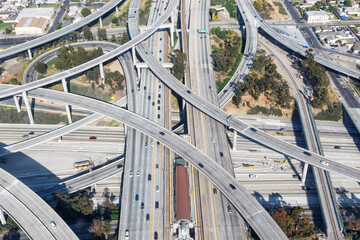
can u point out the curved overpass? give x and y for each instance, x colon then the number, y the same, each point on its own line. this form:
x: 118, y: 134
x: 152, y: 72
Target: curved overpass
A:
x: 47, y: 56
x: 236, y: 124
x: 251, y: 44
x: 31, y: 212
x: 209, y: 109
x: 236, y: 193
x: 95, y: 62
x: 297, y: 48
x: 59, y: 33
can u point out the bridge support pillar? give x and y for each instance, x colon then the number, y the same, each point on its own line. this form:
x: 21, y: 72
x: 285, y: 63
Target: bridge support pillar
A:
x: 67, y: 107
x: 172, y: 36
x: 2, y: 217
x: 28, y: 108
x: 125, y: 130
x: 30, y: 55
x: 17, y: 104
x: 234, y: 140
x: 305, y: 171
x: 116, y: 10
x: 138, y: 71
x: 102, y: 75
x: 100, y: 21
x: 133, y: 55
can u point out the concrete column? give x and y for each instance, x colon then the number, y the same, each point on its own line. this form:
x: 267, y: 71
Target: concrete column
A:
x: 305, y: 171
x: 17, y: 104
x: 172, y: 36
x: 125, y: 130
x: 28, y: 108
x: 101, y: 25
x: 2, y: 217
x: 30, y: 55
x: 138, y: 71
x: 172, y: 17
x: 133, y: 55
x: 102, y: 75
x: 67, y: 107
x: 117, y: 10
x: 234, y: 140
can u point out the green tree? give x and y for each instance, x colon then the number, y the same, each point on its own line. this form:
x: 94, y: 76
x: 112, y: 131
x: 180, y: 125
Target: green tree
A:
x: 125, y: 38
x: 102, y: 34
x: 115, y: 20
x: 87, y: 32
x: 213, y: 13
x: 82, y: 204
x: 95, y: 228
x: 295, y: 224
x: 116, y: 78
x: 14, y: 81
x: 179, y: 64
x: 348, y: 3
x: 113, y: 39
x: 8, y: 30
x: 106, y: 228
x: 85, y: 12
x: 41, y: 67
x: 59, y: 26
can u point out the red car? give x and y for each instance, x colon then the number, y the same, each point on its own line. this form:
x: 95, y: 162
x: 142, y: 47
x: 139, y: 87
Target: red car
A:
x: 92, y: 138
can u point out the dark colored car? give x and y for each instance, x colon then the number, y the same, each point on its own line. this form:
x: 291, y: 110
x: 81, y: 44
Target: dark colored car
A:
x: 142, y: 205
x: 92, y: 138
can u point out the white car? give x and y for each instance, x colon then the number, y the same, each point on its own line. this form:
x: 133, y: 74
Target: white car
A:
x: 131, y: 173
x: 53, y: 224
x: 157, y: 188
x: 126, y: 234
x: 152, y: 143
x: 324, y: 163
x: 138, y: 173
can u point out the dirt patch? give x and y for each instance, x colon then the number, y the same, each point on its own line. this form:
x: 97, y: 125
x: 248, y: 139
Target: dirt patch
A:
x: 13, y: 69
x: 113, y: 66
x: 277, y: 10
x: 248, y: 102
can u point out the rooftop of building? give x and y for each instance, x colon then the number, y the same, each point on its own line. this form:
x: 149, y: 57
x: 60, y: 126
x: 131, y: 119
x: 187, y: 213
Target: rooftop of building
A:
x: 31, y: 22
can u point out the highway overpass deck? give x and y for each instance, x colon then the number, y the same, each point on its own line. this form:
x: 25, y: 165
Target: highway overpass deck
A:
x: 241, y: 199
x: 59, y: 33
x: 32, y: 208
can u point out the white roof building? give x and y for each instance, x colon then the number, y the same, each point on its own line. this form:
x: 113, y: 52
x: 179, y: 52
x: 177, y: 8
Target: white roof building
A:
x: 316, y: 16
x: 73, y: 11
x: 46, y: 13
x: 52, y: 1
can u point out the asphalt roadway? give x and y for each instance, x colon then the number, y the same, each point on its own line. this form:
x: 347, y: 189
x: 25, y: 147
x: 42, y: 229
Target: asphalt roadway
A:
x: 59, y: 33
x: 237, y: 194
x: 31, y: 213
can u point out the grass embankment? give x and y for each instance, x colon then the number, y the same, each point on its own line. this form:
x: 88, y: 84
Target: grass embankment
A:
x: 144, y: 11
x: 264, y: 91
x: 230, y: 6
x: 10, y: 115
x: 227, y: 54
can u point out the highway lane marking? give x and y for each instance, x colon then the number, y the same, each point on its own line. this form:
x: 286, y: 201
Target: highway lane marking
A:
x: 202, y: 117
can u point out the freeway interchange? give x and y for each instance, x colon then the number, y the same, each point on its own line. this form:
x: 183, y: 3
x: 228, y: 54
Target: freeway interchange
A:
x: 248, y: 207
